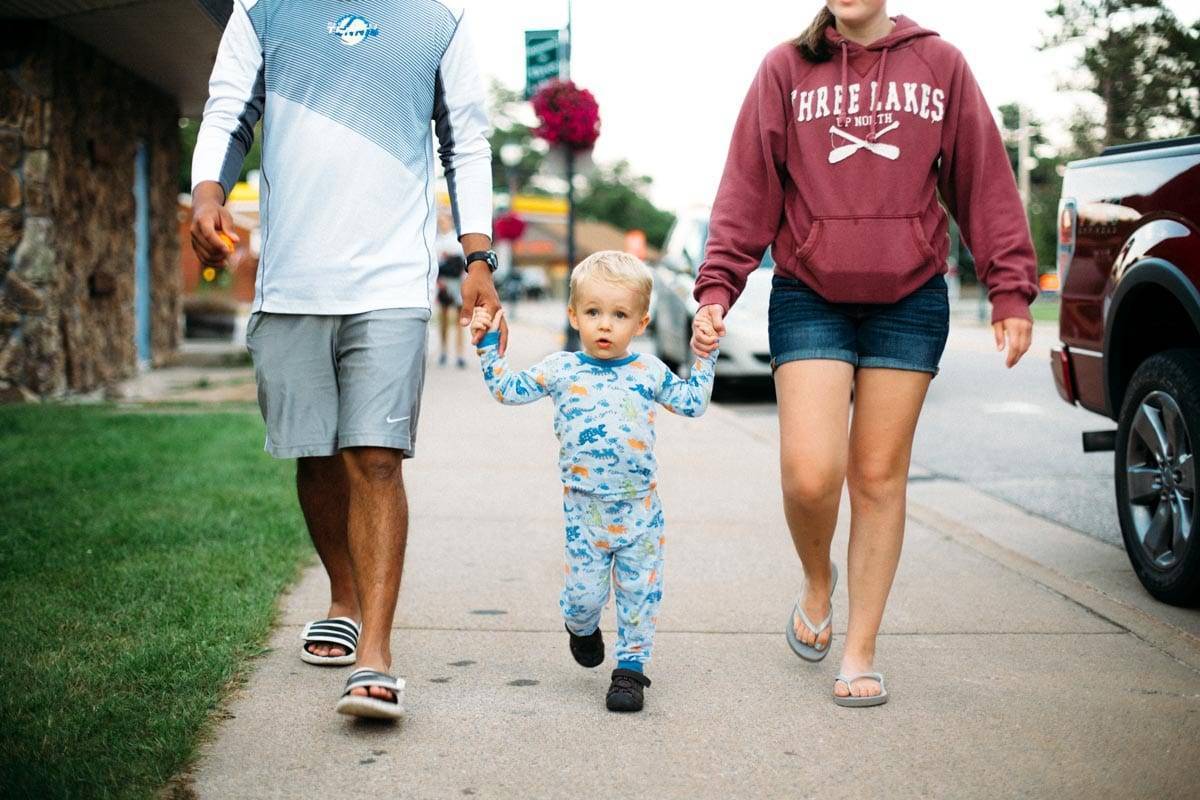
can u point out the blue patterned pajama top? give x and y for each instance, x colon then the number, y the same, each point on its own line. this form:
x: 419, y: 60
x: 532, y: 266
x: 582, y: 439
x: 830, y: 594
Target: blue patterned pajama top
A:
x: 604, y: 413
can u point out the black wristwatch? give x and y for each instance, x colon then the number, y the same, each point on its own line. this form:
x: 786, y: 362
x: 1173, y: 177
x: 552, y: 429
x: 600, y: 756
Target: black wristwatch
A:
x: 486, y: 256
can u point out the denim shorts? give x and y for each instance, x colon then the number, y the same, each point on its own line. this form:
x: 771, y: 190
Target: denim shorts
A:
x: 908, y: 334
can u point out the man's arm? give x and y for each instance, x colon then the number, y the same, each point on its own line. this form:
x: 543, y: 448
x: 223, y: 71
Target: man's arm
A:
x: 235, y: 104
x: 460, y: 120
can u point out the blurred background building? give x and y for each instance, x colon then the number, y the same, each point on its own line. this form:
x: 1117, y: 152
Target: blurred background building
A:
x: 91, y: 92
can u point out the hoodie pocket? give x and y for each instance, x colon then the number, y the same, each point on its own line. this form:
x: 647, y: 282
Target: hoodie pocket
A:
x: 865, y: 259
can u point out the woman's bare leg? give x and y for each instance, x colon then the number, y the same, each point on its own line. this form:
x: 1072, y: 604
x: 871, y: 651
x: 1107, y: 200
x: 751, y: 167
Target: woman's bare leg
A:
x: 814, y: 407
x: 887, y: 403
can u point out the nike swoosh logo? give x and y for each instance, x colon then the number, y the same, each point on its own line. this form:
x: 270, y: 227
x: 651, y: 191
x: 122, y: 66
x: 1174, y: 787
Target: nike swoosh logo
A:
x: 391, y: 421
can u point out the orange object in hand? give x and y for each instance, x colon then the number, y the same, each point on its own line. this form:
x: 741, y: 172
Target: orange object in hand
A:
x: 225, y: 240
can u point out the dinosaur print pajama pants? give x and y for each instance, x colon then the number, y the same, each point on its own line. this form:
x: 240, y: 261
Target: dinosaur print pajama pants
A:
x: 617, y: 541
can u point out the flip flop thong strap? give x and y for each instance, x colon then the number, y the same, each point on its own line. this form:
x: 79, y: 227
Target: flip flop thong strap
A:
x: 849, y: 679
x: 816, y: 629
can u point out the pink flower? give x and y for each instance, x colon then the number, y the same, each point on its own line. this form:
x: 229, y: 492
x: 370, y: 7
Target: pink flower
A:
x: 569, y: 115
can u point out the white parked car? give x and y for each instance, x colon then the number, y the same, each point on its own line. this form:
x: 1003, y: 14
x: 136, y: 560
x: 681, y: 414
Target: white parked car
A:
x: 745, y: 352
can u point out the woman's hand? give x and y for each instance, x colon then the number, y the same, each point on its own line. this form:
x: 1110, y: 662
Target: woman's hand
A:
x: 708, y: 327
x: 1017, y: 332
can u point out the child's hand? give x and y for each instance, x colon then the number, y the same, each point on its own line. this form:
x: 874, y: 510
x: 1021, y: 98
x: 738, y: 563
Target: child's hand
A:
x: 708, y: 326
x: 481, y: 321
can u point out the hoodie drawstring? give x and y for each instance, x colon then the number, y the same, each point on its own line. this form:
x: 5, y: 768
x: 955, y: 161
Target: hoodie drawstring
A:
x: 879, y: 73
x: 845, y: 82
x: 879, y: 83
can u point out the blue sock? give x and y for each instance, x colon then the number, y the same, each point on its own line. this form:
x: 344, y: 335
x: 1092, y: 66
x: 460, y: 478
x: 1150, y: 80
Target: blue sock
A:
x: 632, y: 666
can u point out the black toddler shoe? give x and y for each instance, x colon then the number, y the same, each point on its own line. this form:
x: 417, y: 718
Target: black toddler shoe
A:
x: 588, y: 650
x: 625, y: 691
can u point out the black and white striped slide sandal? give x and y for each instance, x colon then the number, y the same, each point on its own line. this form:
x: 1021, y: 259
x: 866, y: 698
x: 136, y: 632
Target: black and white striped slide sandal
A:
x: 374, y: 707
x: 340, y: 631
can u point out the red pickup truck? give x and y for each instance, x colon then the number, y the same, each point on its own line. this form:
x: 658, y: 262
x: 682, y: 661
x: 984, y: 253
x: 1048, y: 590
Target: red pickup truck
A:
x: 1129, y: 269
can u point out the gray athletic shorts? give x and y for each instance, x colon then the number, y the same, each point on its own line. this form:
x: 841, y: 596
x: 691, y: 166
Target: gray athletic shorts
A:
x: 329, y: 382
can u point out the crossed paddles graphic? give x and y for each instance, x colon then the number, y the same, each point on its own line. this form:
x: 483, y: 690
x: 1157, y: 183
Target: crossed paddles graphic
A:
x: 889, y: 151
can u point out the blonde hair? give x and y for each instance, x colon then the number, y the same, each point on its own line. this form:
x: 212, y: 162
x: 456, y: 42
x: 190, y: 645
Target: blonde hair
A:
x: 614, y: 267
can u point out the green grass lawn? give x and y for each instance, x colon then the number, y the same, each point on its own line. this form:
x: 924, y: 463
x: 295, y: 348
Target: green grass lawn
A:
x: 1044, y: 310
x: 141, y: 555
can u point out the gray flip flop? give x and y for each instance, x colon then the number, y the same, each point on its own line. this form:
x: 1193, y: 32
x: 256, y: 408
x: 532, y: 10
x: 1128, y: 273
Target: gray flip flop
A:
x: 813, y: 652
x: 859, y: 702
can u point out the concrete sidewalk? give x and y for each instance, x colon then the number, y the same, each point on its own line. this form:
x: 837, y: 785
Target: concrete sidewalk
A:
x: 1020, y: 658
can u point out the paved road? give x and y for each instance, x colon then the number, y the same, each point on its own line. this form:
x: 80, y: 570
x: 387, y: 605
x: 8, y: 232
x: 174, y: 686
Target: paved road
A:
x: 1003, y: 432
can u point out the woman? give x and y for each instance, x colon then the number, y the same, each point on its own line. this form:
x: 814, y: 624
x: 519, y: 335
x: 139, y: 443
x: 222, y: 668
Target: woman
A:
x: 843, y: 143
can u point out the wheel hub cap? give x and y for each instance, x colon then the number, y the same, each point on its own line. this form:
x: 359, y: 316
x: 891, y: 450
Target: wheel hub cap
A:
x: 1161, y: 480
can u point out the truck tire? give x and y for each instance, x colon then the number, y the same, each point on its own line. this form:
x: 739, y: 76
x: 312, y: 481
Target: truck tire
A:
x: 1158, y: 435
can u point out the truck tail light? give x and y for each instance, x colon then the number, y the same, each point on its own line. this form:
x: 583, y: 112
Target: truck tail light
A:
x: 1064, y: 366
x: 1068, y: 217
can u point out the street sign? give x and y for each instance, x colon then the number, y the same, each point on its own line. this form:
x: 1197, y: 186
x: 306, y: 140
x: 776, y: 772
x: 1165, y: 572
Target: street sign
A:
x: 542, y: 59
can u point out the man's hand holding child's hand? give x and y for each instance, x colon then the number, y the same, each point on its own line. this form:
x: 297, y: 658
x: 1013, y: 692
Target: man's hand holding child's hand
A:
x: 483, y: 322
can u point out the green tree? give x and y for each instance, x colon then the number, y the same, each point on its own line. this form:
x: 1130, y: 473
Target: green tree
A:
x: 616, y: 195
x: 613, y: 193
x: 507, y: 128
x: 189, y: 128
x: 1139, y: 60
x: 1045, y: 184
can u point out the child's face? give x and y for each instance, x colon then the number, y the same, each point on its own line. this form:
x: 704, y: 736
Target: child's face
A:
x: 607, y: 317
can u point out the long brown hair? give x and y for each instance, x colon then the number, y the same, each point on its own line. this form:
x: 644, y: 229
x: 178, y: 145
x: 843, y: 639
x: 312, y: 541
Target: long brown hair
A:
x: 812, y: 43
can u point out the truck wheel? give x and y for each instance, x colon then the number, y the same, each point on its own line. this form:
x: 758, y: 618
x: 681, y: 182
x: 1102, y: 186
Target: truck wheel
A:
x: 1157, y: 438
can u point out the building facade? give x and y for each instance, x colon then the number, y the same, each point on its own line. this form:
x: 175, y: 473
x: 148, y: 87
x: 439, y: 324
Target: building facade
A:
x: 89, y: 245
x: 91, y: 92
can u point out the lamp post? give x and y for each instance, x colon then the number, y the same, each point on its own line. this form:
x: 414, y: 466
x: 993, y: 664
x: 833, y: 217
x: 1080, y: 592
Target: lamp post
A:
x: 572, y: 335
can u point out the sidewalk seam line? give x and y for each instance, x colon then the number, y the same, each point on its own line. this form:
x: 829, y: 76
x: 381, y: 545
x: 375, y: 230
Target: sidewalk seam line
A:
x: 1045, y: 576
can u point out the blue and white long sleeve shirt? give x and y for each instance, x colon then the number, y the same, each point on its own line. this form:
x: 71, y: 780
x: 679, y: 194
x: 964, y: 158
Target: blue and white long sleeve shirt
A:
x: 604, y: 411
x: 350, y: 92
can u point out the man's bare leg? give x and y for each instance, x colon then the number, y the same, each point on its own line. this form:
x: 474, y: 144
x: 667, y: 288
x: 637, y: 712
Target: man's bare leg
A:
x: 324, y: 498
x: 377, y: 532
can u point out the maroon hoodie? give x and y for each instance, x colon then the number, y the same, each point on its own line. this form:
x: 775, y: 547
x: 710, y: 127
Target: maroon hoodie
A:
x: 847, y: 197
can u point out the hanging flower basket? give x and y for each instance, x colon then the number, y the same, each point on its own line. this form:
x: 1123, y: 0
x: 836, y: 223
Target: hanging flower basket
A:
x: 569, y: 115
x: 508, y: 227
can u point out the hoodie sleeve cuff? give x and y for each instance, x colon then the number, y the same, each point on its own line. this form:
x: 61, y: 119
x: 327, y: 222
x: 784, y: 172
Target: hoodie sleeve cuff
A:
x: 1007, y: 305
x: 489, y: 339
x: 715, y: 296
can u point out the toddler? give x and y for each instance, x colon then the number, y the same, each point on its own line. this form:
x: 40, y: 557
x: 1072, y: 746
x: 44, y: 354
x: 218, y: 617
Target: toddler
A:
x: 604, y: 409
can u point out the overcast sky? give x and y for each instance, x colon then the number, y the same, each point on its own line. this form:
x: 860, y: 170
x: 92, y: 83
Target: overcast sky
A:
x: 670, y: 75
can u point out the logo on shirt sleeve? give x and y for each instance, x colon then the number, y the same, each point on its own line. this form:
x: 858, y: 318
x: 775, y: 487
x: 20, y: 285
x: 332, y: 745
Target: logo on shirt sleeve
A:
x: 352, y: 29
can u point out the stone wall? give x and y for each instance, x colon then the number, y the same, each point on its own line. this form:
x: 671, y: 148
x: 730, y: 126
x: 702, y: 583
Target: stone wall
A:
x: 70, y: 121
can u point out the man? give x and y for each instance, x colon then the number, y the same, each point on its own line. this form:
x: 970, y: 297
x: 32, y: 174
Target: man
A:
x: 346, y: 271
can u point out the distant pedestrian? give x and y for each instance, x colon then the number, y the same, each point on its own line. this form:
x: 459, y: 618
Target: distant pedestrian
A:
x: 604, y: 409
x: 345, y: 283
x: 449, y: 297
x: 845, y: 141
